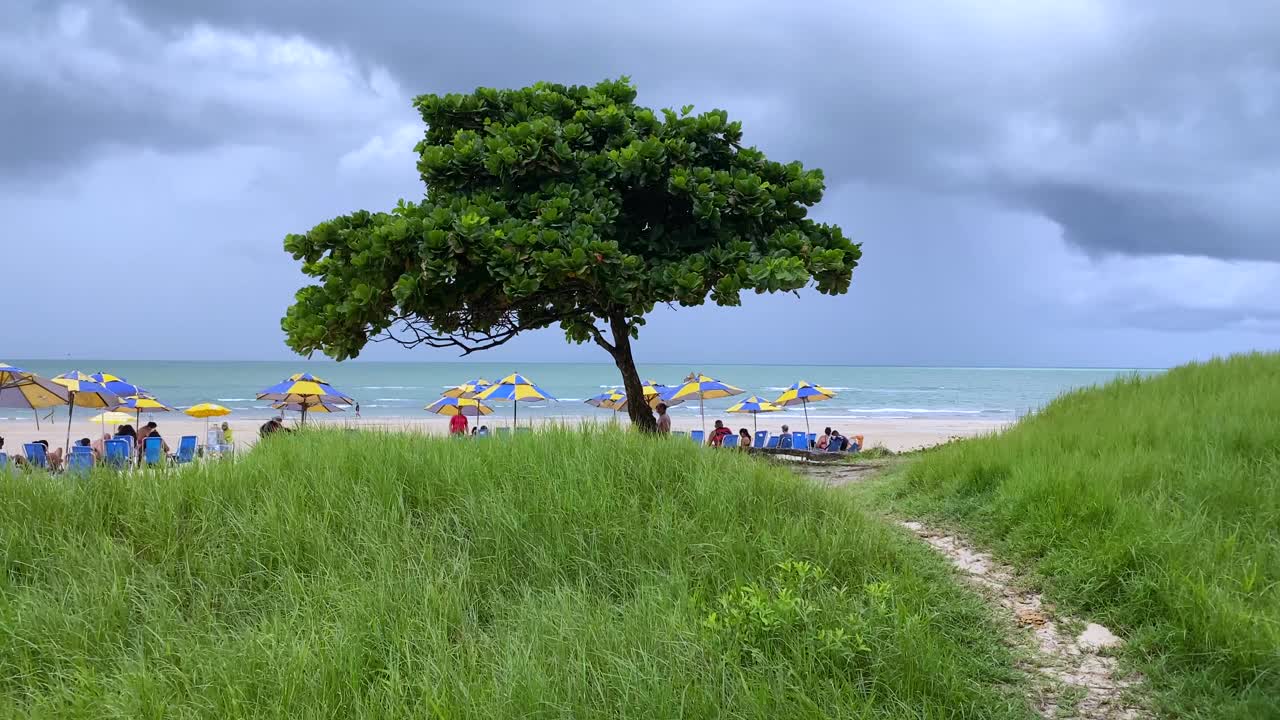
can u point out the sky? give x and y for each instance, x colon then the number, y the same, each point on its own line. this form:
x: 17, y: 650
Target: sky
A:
x: 1051, y: 183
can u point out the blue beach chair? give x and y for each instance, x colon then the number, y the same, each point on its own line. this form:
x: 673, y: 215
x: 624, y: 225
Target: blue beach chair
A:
x: 762, y: 437
x: 730, y: 442
x: 81, y: 461
x: 117, y: 453
x: 772, y: 444
x: 152, y: 451
x: 35, y: 455
x: 813, y: 440
x: 799, y: 440
x: 4, y: 462
x: 698, y: 437
x: 186, y: 450
x: 784, y: 442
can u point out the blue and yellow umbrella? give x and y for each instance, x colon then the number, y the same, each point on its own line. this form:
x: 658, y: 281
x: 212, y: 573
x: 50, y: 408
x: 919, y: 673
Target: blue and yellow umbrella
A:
x: 117, y: 385
x: 139, y: 404
x: 614, y: 400
x: 705, y: 388
x: 803, y: 393
x: 514, y: 389
x: 305, y: 389
x: 754, y: 405
x: 22, y: 389
x: 459, y: 406
x: 468, y: 389
x: 83, y: 391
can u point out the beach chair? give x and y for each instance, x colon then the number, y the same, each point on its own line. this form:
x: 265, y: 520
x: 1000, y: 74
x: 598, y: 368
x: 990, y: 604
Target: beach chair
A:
x: 730, y: 442
x: 772, y: 443
x: 117, y: 453
x: 762, y: 437
x: 698, y: 437
x: 836, y: 444
x: 36, y: 456
x: 186, y: 450
x: 799, y: 441
x: 81, y: 461
x: 152, y: 451
x: 784, y: 442
x: 4, y: 462
x: 813, y: 440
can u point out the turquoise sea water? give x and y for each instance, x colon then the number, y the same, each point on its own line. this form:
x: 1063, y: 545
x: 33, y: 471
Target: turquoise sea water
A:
x: 402, y: 389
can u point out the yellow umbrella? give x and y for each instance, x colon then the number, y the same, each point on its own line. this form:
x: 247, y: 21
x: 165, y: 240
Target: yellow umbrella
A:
x: 140, y: 404
x: 206, y: 411
x: 22, y: 389
x: 111, y: 417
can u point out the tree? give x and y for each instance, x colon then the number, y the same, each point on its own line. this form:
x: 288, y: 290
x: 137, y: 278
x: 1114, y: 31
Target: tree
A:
x: 569, y: 205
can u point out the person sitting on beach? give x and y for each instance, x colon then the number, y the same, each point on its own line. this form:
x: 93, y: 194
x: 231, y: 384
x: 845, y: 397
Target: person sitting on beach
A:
x: 664, y: 420
x: 744, y: 439
x: 784, y: 440
x: 54, y: 457
x: 719, y: 434
x: 483, y: 431
x: 458, y: 424
x: 100, y: 446
x: 127, y: 431
x: 86, y: 442
x: 228, y: 440
x: 837, y: 442
x: 155, y: 433
x: 824, y: 438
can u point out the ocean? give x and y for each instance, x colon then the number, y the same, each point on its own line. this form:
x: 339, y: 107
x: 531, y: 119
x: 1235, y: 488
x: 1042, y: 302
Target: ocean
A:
x: 389, y: 390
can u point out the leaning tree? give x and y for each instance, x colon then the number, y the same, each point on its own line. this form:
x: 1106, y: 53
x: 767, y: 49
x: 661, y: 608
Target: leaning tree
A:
x: 569, y: 205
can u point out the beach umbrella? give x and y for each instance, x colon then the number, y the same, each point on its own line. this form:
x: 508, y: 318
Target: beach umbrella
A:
x: 614, y: 400
x: 206, y: 411
x: 117, y: 385
x: 514, y: 389
x: 22, y: 389
x: 705, y: 388
x: 803, y: 393
x: 83, y: 392
x: 468, y: 389
x: 450, y: 406
x: 139, y: 404
x: 305, y: 388
x: 111, y: 418
x: 316, y: 407
x: 754, y: 405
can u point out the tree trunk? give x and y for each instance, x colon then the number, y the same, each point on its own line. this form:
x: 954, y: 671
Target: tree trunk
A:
x: 637, y: 408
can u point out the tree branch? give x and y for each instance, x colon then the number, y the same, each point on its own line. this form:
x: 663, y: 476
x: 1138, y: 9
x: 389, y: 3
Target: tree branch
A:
x: 599, y: 338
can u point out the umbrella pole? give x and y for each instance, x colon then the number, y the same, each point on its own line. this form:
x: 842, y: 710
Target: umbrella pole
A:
x: 515, y: 411
x: 702, y: 407
x: 71, y: 408
x: 37, y: 414
x: 806, y: 418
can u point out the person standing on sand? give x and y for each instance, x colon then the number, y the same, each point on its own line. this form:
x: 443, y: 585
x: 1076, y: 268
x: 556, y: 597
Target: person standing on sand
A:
x: 458, y: 425
x: 664, y: 420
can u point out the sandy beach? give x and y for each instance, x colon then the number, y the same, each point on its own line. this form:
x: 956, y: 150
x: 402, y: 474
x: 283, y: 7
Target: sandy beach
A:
x: 896, y: 435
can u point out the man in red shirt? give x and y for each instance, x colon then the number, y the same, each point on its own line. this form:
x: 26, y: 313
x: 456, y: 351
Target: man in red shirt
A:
x: 719, y: 434
x: 458, y: 425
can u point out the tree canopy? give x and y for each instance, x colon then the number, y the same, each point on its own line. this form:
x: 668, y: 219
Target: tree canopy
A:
x: 563, y: 205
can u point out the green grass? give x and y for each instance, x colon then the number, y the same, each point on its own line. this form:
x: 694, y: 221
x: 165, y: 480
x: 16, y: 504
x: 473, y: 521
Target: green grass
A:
x: 340, y: 575
x: 1152, y: 505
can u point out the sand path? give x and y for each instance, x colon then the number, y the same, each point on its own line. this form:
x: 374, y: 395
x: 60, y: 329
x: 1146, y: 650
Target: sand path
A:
x: 1071, y: 669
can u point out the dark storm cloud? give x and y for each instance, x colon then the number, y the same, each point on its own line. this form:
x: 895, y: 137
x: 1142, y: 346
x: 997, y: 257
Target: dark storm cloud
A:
x: 1136, y: 127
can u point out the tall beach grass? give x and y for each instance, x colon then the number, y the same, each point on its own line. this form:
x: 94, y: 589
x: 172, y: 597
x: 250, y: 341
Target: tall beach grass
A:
x: 1152, y: 504
x: 551, y: 575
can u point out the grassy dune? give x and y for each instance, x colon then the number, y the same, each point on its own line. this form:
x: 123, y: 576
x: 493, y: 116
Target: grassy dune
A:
x: 332, y: 575
x: 1153, y: 504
